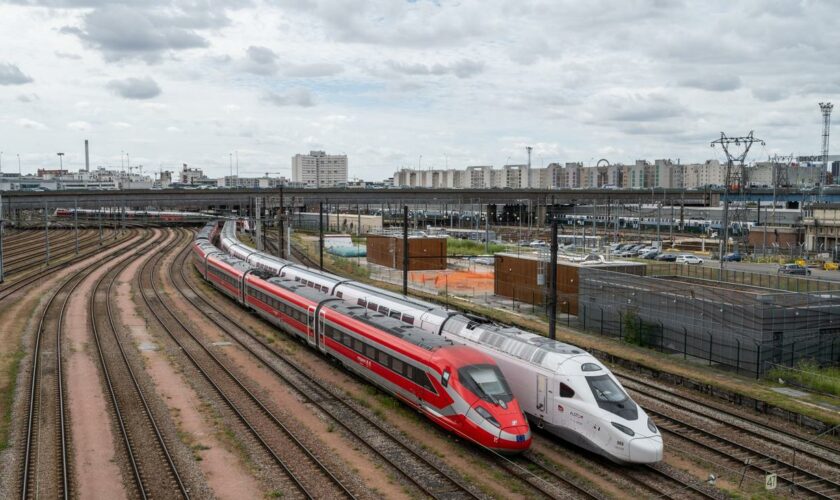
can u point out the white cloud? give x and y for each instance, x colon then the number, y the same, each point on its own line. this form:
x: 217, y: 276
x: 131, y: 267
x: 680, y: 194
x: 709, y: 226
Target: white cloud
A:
x: 31, y: 124
x: 135, y: 88
x: 80, y: 126
x: 386, y: 81
x: 12, y: 75
x: 297, y: 96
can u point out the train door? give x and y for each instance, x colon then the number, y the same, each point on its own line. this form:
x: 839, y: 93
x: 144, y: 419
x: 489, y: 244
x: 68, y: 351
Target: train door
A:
x: 310, y: 325
x: 542, y: 396
x: 320, y: 332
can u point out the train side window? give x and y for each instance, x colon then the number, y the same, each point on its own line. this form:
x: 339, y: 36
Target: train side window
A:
x: 408, y: 319
x: 370, y: 351
x: 397, y: 366
x: 566, y: 391
x: 383, y: 310
x: 357, y: 345
x: 361, y: 302
x: 372, y: 306
x: 382, y: 358
x: 339, y: 295
x: 394, y: 314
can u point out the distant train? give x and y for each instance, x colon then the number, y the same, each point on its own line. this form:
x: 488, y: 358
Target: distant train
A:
x: 561, y: 388
x: 459, y: 388
x: 691, y: 225
x: 134, y: 215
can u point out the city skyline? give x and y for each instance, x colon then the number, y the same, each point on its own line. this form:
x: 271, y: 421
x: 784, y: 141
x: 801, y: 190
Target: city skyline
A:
x: 463, y: 84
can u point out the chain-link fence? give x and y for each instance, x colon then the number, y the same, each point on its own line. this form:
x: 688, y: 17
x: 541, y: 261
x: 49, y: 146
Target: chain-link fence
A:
x: 743, y: 328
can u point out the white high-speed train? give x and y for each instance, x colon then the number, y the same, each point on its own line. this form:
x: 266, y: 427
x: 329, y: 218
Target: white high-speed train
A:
x: 561, y: 388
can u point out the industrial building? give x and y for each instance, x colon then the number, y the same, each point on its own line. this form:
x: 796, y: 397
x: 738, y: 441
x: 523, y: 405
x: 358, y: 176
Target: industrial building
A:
x: 748, y: 322
x: 523, y: 277
x: 424, y: 253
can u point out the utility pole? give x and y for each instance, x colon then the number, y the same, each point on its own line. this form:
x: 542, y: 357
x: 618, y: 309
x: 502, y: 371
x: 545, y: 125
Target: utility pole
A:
x: 2, y: 221
x: 552, y: 283
x: 405, y: 250
x: 321, y: 234
x: 726, y: 143
x: 47, y: 231
x: 76, y: 223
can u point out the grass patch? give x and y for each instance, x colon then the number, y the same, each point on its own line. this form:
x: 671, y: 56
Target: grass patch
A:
x: 7, y: 398
x: 455, y: 246
x: 808, y: 373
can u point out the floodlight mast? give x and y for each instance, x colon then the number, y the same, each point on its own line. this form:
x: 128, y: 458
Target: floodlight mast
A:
x: 725, y: 143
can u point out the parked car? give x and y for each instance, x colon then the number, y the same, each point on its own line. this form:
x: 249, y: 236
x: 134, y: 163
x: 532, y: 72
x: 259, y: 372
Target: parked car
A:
x: 667, y: 257
x: 732, y: 257
x: 650, y: 255
x: 794, y: 269
x: 688, y: 259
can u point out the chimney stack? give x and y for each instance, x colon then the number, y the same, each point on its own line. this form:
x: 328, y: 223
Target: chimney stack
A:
x: 87, y: 157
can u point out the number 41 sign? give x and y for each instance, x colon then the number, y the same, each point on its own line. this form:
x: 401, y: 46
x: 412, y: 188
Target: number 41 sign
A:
x: 770, y: 482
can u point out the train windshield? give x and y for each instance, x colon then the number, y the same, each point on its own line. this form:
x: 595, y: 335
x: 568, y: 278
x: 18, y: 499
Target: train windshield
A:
x: 611, y: 398
x: 486, y: 382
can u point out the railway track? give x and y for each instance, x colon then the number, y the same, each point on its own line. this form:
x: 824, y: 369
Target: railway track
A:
x: 805, y: 480
x: 545, y: 478
x: 24, y: 281
x: 150, y: 463
x: 805, y: 445
x: 45, y: 462
x: 307, y: 473
x: 764, y: 448
x: 428, y: 477
x: 36, y: 257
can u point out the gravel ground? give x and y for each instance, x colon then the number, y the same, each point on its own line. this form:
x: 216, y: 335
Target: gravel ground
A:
x: 19, y: 315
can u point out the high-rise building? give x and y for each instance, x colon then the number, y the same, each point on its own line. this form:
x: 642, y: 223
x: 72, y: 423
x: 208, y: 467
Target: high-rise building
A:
x: 318, y: 169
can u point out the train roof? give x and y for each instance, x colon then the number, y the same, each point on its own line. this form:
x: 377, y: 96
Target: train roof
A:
x: 384, y: 323
x: 395, y: 327
x: 238, y: 264
x: 527, y: 346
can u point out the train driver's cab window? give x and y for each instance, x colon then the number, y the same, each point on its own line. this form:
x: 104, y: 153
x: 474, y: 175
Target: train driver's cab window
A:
x: 566, y: 391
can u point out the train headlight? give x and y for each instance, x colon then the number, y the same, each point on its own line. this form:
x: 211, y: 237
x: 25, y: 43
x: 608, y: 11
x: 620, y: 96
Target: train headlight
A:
x: 624, y: 429
x: 652, y: 426
x: 487, y: 416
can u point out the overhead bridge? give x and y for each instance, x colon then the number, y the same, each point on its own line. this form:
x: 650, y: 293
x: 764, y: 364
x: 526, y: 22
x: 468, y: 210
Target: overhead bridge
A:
x: 227, y: 199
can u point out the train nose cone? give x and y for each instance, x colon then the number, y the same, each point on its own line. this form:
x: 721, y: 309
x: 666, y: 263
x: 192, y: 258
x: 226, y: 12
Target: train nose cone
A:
x: 515, y: 438
x: 646, y: 450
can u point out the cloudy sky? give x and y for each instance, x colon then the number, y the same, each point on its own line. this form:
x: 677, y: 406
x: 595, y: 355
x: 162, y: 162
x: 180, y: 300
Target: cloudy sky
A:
x: 460, y: 82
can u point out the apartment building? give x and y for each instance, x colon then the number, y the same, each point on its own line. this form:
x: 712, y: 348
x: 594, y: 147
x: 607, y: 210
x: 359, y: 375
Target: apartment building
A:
x: 318, y: 169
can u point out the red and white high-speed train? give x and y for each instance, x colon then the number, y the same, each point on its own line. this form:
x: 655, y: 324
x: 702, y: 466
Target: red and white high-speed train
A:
x: 457, y: 387
x: 560, y: 387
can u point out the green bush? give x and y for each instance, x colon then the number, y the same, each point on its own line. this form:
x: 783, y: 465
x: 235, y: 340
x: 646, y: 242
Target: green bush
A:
x: 455, y: 246
x: 636, y: 331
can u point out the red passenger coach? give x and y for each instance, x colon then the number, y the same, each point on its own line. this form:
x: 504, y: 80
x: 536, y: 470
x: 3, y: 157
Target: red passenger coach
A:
x: 457, y: 387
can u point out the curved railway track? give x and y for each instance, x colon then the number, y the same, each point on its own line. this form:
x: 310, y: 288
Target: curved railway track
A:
x: 152, y: 468
x: 22, y: 282
x: 36, y: 257
x: 45, y: 461
x: 307, y: 474
x: 421, y: 471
